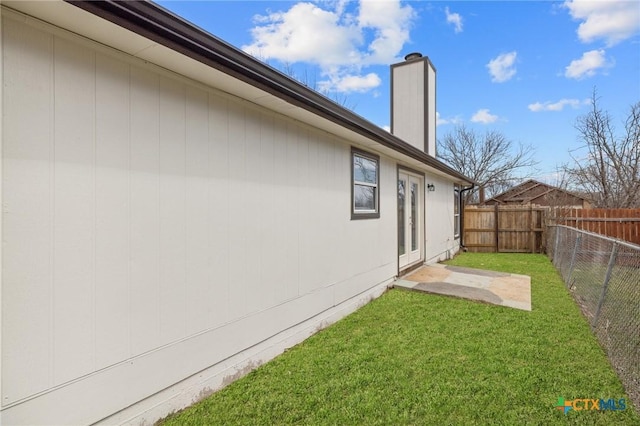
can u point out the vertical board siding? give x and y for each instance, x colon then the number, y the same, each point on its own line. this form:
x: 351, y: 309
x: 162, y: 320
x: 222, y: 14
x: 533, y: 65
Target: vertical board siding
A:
x: 237, y: 215
x: 277, y: 261
x: 338, y: 172
x: 289, y: 168
x: 172, y: 210
x: 313, y: 251
x: 384, y: 249
x: 74, y: 211
x: 219, y: 212
x: 303, y: 181
x: 112, y: 211
x: 141, y: 210
x: 27, y: 238
x: 439, y: 219
x: 199, y: 273
x: 269, y: 243
x: 144, y: 222
x: 249, y: 203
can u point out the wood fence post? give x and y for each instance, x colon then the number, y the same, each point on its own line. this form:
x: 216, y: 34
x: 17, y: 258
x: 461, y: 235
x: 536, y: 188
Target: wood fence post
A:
x: 555, y: 246
x: 532, y: 234
x: 497, y: 228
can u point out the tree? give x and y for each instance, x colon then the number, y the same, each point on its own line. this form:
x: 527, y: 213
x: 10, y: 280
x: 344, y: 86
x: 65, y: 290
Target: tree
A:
x: 311, y: 81
x: 610, y: 171
x: 490, y: 159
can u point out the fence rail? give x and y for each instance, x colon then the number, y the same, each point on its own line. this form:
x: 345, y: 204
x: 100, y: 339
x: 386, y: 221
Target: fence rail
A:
x: 622, y: 224
x: 504, y: 229
x: 603, y: 276
x: 515, y: 228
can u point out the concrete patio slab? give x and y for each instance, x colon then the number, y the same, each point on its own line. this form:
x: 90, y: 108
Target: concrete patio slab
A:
x: 497, y: 288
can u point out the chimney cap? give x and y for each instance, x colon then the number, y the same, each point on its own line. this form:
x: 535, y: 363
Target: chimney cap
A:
x: 413, y: 55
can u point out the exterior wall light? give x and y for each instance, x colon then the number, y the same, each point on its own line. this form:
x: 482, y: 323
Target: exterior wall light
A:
x: 431, y: 187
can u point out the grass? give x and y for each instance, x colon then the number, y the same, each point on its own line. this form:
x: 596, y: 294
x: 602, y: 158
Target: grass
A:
x: 412, y: 358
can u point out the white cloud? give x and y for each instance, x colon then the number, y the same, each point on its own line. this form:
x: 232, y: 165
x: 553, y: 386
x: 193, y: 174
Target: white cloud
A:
x: 391, y: 24
x: 484, y: 116
x: 305, y: 33
x: 455, y: 19
x: 502, y: 68
x: 350, y: 83
x: 339, y: 42
x: 555, y: 106
x: 612, y: 21
x: 587, y: 65
x: 440, y: 121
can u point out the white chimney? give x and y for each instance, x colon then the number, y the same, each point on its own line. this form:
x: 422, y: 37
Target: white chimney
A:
x: 413, y: 102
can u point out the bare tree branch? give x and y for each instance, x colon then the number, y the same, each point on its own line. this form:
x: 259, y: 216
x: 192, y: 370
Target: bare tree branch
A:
x: 610, y: 173
x: 311, y: 81
x: 489, y: 159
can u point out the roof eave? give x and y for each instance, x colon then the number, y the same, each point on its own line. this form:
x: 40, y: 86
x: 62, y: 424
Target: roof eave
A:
x: 163, y: 27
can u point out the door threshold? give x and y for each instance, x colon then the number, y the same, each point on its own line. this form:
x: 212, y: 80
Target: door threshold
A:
x: 410, y: 268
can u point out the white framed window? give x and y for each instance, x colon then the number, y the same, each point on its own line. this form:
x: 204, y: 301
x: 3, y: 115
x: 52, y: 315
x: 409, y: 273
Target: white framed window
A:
x: 365, y: 185
x: 456, y: 211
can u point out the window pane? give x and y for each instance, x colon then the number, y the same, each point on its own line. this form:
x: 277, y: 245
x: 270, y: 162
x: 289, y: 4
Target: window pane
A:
x: 365, y: 170
x: 364, y: 197
x: 414, y: 217
x: 456, y: 211
x: 456, y: 204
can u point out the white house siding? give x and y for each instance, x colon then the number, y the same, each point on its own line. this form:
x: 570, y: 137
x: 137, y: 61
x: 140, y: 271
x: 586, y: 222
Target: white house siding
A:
x: 152, y: 228
x: 440, y: 241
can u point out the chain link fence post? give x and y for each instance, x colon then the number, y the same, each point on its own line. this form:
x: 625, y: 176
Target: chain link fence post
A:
x: 605, y: 284
x: 573, y: 260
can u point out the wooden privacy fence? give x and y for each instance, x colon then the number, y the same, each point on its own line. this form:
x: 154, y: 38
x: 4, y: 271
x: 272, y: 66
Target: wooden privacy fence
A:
x: 504, y: 229
x: 522, y: 229
x: 621, y: 224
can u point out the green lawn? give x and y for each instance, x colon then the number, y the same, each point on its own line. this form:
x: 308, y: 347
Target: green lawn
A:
x: 412, y: 358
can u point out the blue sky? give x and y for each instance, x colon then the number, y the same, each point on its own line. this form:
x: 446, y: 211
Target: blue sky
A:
x: 524, y: 68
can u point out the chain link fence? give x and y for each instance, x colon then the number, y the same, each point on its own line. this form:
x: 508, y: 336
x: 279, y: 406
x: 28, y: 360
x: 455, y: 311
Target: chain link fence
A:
x: 603, y: 275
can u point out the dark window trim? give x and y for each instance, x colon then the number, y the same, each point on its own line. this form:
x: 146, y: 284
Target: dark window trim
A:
x: 368, y: 215
x: 411, y: 171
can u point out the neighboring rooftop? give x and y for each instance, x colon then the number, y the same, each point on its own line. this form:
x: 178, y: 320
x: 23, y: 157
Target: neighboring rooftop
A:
x: 534, y: 192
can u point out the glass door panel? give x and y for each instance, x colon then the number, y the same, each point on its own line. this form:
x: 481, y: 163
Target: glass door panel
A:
x: 410, y: 217
x: 414, y: 216
x: 402, y: 185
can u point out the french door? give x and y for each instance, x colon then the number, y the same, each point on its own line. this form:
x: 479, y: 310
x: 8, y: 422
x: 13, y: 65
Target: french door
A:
x: 410, y: 218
